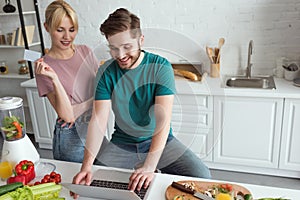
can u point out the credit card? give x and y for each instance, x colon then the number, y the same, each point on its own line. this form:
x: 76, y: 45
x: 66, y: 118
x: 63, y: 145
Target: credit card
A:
x: 32, y: 56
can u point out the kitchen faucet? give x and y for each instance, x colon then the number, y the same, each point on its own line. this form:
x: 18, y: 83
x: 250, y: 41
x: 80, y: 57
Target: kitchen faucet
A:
x: 249, y: 64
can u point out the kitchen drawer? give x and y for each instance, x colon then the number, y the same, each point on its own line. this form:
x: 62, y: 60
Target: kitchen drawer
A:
x: 201, y: 119
x: 193, y: 103
x: 200, y: 144
x: 189, y: 128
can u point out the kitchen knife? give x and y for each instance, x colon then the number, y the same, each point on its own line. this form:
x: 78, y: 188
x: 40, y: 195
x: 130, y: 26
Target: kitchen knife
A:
x: 190, y: 191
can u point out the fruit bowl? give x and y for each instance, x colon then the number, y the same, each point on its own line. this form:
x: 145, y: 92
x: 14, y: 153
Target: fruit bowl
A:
x: 42, y: 168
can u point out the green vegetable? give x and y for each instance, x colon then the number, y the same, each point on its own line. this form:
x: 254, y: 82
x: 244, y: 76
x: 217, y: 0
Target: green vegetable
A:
x: 12, y: 127
x: 45, y: 191
x: 248, y: 197
x: 7, y: 121
x: 9, y: 187
x: 18, y: 194
x: 6, y: 197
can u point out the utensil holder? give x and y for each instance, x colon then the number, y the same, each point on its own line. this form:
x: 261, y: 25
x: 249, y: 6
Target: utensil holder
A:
x: 215, y: 70
x: 291, y: 75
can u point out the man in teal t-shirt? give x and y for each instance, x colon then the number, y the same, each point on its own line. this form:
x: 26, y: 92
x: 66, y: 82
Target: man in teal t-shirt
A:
x: 133, y: 92
x: 139, y: 87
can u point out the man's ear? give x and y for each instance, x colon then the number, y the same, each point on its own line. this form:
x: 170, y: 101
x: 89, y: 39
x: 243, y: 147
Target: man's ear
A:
x: 141, y: 40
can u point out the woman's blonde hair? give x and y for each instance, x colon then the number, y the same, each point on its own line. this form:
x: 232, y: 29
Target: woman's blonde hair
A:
x: 56, y: 11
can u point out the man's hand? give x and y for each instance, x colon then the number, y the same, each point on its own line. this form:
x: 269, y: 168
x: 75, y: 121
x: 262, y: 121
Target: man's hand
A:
x: 82, y: 178
x: 140, y: 178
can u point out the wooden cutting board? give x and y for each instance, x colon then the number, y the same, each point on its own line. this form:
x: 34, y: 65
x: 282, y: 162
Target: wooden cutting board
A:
x: 199, y: 186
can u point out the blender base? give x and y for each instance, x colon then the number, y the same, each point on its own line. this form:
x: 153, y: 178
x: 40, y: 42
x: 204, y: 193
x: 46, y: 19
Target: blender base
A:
x: 22, y: 149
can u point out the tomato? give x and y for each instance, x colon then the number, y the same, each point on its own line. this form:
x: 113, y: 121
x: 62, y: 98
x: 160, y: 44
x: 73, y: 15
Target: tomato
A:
x: 52, y: 174
x: 44, y: 180
x: 37, y: 183
x: 58, y: 176
x: 52, y: 177
x: 52, y: 180
x: 229, y: 187
x: 57, y: 179
x: 47, y: 176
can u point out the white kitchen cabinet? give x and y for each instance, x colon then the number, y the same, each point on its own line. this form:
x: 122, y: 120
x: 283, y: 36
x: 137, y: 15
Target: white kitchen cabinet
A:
x: 43, y: 118
x: 247, y: 131
x: 290, y: 148
x: 192, y: 123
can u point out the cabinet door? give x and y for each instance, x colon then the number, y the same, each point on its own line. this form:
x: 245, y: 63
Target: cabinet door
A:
x: 43, y: 118
x: 192, y: 123
x: 290, y: 148
x: 247, y: 131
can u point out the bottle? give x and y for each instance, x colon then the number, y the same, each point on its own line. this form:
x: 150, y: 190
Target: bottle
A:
x: 23, y: 68
x: 3, y: 67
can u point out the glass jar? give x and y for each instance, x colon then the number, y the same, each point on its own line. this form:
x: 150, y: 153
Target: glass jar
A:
x: 23, y: 68
x: 3, y: 67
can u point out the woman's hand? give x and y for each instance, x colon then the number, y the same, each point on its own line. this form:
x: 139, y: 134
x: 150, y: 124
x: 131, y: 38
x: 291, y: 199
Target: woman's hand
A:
x: 44, y: 69
x: 141, y: 177
x: 82, y: 178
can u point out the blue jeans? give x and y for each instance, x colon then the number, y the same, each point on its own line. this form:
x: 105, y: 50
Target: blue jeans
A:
x: 67, y: 143
x: 176, y: 158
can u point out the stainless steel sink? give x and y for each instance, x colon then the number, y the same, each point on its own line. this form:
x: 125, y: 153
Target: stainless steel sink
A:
x: 261, y: 82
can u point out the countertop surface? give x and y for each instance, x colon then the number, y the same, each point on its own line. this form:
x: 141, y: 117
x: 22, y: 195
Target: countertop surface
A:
x: 162, y: 181
x: 215, y: 87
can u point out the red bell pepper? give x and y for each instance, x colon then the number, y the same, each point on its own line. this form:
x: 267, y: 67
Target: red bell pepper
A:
x: 19, y: 129
x: 17, y: 178
x: 25, y: 168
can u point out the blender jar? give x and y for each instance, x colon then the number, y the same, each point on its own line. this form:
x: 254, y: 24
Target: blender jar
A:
x: 12, y: 119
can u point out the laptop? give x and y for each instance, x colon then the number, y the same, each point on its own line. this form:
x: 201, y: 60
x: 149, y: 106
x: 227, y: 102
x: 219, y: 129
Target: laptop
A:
x: 108, y: 184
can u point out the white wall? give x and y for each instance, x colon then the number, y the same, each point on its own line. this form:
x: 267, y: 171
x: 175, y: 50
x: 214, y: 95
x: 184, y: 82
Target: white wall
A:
x: 180, y: 29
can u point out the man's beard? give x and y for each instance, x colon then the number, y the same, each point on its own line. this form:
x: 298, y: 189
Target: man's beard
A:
x: 139, y: 52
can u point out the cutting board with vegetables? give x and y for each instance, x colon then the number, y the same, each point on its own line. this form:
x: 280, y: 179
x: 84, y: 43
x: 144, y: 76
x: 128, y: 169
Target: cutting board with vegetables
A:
x: 200, y: 186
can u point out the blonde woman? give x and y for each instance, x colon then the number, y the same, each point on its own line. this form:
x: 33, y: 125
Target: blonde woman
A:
x: 65, y: 75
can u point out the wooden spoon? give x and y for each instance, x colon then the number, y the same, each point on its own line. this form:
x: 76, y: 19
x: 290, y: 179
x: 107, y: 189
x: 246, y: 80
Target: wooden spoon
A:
x: 210, y: 54
x: 221, y: 43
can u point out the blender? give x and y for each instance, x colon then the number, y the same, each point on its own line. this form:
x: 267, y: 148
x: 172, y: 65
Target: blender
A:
x: 13, y: 129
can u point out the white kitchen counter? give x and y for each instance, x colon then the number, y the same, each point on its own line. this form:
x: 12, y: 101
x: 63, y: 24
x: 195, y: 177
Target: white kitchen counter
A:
x: 214, y: 86
x: 162, y: 181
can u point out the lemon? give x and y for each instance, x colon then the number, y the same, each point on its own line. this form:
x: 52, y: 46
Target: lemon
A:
x: 223, y: 196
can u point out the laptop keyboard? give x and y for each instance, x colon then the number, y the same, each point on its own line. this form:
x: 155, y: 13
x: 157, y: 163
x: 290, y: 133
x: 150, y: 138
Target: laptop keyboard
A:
x: 117, y: 185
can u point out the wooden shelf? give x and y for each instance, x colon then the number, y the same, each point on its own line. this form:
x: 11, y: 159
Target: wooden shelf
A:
x: 14, y: 76
x: 18, y: 47
x: 29, y: 12
x: 17, y: 14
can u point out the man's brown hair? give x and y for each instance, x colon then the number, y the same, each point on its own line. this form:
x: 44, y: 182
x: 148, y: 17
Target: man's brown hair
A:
x: 119, y: 21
